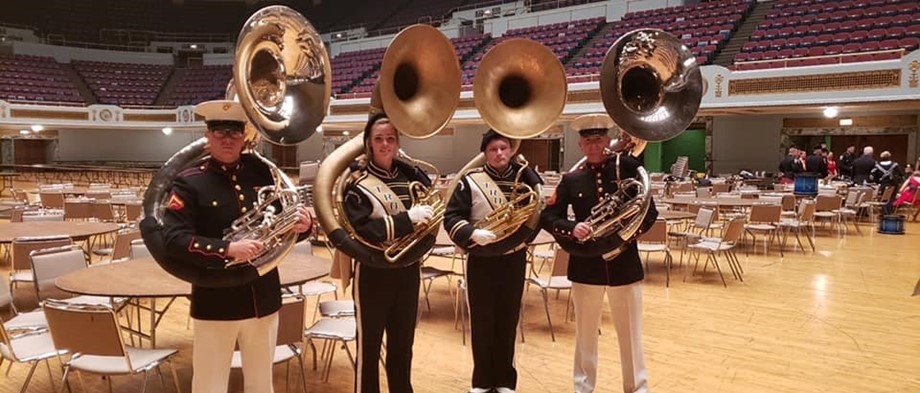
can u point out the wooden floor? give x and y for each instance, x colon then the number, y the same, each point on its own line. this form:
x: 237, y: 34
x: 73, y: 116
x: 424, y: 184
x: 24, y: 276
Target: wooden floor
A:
x: 837, y: 320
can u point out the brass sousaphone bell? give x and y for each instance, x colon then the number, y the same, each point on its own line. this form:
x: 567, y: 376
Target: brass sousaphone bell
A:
x: 652, y: 88
x: 520, y: 91
x: 282, y: 78
x: 419, y: 89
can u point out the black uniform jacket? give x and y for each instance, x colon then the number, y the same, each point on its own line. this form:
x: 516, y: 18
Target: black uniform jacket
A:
x: 368, y: 217
x: 203, y: 203
x: 789, y: 167
x: 458, y: 216
x: 845, y: 164
x: 582, y: 189
x: 862, y: 168
x: 816, y: 165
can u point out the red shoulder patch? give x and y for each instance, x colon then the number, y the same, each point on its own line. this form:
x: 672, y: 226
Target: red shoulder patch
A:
x: 175, y: 202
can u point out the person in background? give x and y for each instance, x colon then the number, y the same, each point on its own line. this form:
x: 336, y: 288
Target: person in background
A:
x: 815, y: 164
x: 831, y: 166
x: 886, y: 173
x: 845, y: 166
x: 787, y: 167
x: 863, y: 165
x: 907, y: 194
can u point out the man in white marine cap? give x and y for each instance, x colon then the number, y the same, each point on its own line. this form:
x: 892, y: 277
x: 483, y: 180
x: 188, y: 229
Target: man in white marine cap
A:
x: 203, y: 202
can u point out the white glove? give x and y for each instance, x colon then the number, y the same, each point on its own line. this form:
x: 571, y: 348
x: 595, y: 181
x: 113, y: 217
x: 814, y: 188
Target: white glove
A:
x: 482, y: 236
x: 420, y: 213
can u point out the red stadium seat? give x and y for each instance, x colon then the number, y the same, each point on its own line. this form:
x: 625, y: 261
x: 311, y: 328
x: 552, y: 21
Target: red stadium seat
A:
x: 816, y: 51
x: 833, y: 49
x: 910, y: 43
x: 888, y: 44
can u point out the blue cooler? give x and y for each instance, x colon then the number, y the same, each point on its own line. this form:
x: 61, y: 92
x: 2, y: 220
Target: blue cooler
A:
x: 806, y: 185
x: 891, y: 225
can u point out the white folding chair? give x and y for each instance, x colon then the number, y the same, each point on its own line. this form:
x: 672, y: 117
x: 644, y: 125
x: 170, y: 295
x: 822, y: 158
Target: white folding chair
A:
x: 656, y: 240
x: 93, y: 337
x: 723, y: 246
x: 332, y: 331
x: 139, y: 249
x: 32, y: 348
x: 557, y: 280
x: 26, y: 321
x: 50, y: 263
x: 20, y: 250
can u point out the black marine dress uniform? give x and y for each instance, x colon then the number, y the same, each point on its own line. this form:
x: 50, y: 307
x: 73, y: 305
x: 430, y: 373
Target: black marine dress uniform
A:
x: 386, y: 300
x: 593, y: 276
x: 495, y: 282
x: 203, y: 203
x: 582, y: 189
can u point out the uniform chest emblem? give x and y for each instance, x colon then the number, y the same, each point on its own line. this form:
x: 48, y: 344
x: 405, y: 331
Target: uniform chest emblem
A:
x: 388, y: 197
x: 175, y: 202
x: 493, y: 193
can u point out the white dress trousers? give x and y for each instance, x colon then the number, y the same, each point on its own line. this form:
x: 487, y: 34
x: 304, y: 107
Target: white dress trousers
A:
x: 626, y: 309
x: 213, y: 350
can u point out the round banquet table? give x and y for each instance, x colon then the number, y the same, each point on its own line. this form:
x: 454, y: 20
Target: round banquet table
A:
x: 671, y: 215
x: 76, y: 230
x: 144, y: 278
x: 721, y: 202
x: 65, y: 191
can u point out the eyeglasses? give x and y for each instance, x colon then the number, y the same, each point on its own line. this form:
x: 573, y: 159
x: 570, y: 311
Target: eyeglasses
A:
x: 224, y: 134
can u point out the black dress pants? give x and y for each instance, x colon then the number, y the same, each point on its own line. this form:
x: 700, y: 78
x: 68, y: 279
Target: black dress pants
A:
x: 495, y: 288
x: 386, y: 300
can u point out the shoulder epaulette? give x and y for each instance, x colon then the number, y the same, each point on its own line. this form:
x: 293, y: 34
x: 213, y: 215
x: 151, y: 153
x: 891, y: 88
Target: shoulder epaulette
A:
x: 195, y: 170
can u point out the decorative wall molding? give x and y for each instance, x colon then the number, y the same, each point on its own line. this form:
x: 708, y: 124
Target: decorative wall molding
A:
x: 106, y: 114
x: 860, y: 80
x: 913, y: 80
x: 850, y: 131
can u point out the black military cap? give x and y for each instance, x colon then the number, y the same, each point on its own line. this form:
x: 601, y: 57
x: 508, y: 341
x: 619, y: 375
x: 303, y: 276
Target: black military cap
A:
x: 490, y: 136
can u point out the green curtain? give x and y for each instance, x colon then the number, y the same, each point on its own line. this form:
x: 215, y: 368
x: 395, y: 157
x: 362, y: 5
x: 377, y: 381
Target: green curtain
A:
x: 659, y: 156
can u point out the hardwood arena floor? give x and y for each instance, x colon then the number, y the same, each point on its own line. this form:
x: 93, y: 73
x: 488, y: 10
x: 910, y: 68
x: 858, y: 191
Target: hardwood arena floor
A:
x: 840, y: 319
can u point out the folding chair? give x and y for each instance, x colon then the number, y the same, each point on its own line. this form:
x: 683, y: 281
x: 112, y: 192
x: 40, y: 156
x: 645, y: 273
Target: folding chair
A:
x: 340, y: 330
x: 93, y: 337
x: 290, y: 333
x: 121, y: 247
x: 28, y: 321
x: 804, y: 221
x: 656, y: 240
x: 20, y: 250
x: 731, y: 236
x: 139, y: 249
x: 32, y: 348
x: 557, y: 280
x: 701, y: 226
x: 764, y: 219
x: 50, y: 263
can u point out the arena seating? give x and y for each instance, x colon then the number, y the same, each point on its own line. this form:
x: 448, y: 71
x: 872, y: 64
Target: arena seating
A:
x: 202, y: 84
x: 352, y: 67
x: 33, y: 78
x: 422, y: 11
x: 369, y: 70
x: 805, y: 32
x: 543, y: 5
x: 123, y: 83
x: 565, y: 39
x: 704, y: 28
x: 794, y: 33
